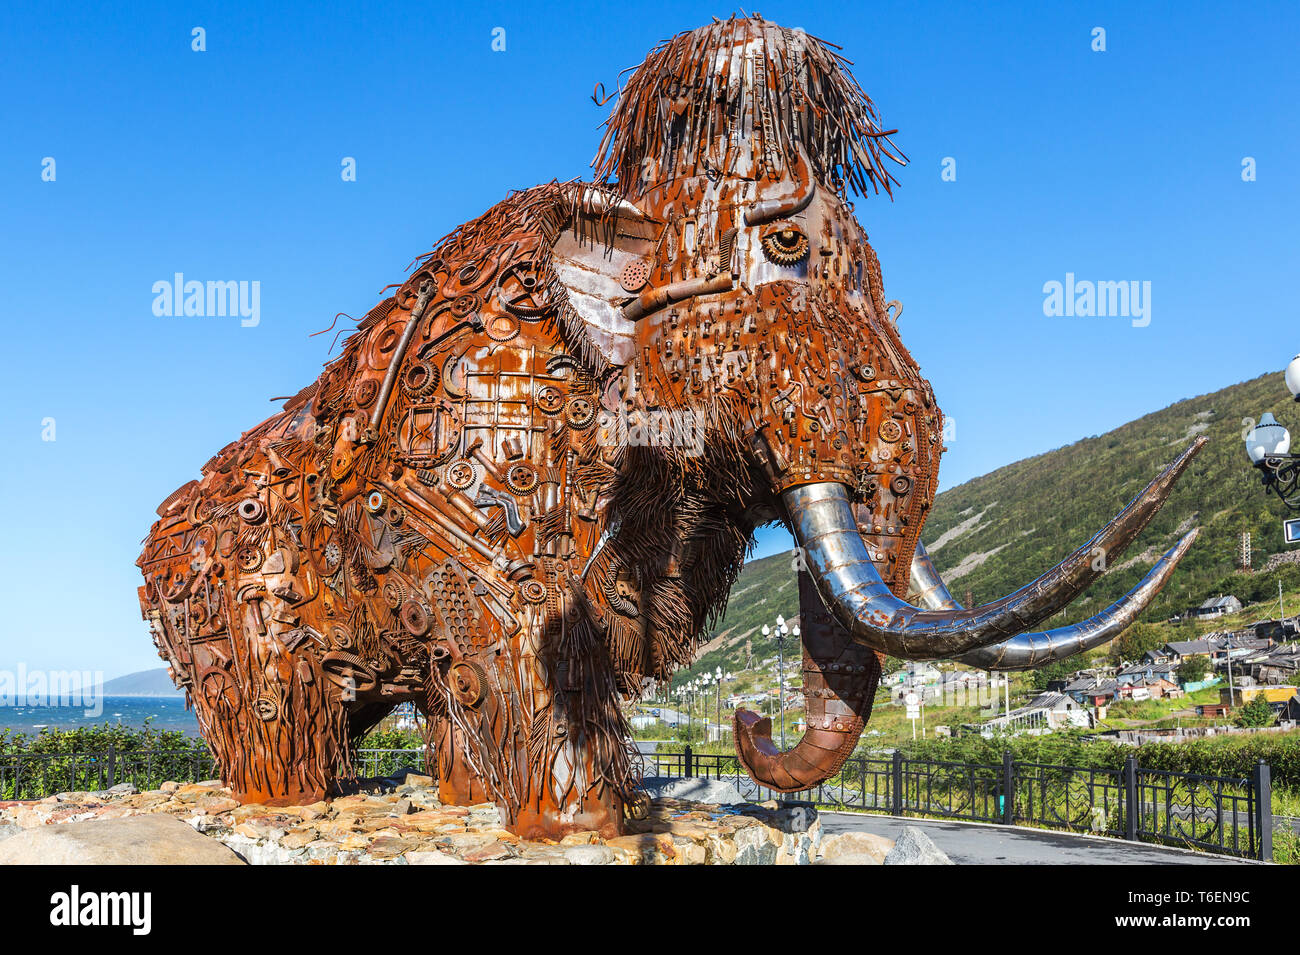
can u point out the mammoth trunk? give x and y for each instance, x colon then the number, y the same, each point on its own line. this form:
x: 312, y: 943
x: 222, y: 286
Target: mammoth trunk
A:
x: 839, y: 683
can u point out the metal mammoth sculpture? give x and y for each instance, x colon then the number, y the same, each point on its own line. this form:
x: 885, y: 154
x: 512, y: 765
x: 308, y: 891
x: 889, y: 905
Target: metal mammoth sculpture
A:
x: 527, y: 485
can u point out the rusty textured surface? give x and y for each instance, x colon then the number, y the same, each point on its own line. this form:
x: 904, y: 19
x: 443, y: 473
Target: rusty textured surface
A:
x: 524, y: 490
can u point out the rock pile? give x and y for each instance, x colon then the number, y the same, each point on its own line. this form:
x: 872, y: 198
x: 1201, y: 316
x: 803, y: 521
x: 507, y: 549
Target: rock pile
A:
x: 405, y: 823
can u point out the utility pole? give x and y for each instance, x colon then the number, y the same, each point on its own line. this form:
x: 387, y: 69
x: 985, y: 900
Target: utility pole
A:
x: 1281, y: 610
x: 1232, y: 700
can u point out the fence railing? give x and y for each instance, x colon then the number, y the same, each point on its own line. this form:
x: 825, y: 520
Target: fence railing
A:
x: 1217, y: 813
x: 37, y: 775
x: 1221, y: 814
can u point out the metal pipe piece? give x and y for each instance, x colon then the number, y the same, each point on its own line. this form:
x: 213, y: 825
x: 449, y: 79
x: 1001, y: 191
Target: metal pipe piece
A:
x: 654, y: 299
x: 767, y: 210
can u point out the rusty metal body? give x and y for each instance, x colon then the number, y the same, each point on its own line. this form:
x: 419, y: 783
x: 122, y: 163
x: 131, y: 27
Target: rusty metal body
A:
x: 524, y: 490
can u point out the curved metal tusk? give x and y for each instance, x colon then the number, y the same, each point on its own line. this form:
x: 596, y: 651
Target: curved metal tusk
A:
x: 1030, y: 650
x: 821, y: 519
x: 925, y: 587
x: 839, y: 684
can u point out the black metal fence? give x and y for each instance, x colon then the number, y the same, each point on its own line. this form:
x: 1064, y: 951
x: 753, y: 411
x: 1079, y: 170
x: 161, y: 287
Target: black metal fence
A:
x: 37, y: 775
x: 1215, y: 813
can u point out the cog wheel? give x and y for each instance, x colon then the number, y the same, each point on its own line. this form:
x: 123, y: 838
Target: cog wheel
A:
x: 365, y: 392
x: 420, y: 379
x: 502, y: 328
x: 464, y: 305
x: 249, y: 558
x: 468, y: 683
x: 460, y: 475
x: 521, y: 478
x: 550, y: 399
x: 533, y: 591
x: 580, y: 412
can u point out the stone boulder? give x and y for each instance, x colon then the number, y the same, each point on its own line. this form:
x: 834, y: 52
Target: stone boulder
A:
x: 914, y: 847
x: 863, y: 848
x: 153, y: 839
x: 714, y: 792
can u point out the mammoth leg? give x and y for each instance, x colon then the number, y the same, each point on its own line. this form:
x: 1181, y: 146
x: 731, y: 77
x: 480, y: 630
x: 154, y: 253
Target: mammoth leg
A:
x: 458, y: 783
x: 276, y: 728
x: 529, y: 720
x: 840, y: 677
x: 577, y: 773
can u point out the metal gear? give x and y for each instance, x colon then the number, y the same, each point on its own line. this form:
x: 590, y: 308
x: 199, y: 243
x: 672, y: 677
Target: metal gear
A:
x: 521, y: 478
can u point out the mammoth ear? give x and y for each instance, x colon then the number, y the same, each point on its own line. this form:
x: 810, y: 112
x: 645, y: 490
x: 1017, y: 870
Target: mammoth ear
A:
x: 604, y: 258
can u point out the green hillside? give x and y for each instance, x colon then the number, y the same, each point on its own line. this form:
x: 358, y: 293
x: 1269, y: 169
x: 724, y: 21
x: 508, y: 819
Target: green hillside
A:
x: 997, y: 532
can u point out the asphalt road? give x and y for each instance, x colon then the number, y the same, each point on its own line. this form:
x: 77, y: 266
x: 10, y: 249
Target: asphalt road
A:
x: 970, y: 843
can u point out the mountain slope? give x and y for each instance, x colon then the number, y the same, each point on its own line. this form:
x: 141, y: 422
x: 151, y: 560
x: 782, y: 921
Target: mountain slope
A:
x: 997, y: 532
x: 142, y: 683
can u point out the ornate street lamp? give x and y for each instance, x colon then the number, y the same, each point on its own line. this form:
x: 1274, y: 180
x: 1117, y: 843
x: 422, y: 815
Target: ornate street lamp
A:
x: 782, y: 631
x: 1268, y: 446
x: 717, y: 695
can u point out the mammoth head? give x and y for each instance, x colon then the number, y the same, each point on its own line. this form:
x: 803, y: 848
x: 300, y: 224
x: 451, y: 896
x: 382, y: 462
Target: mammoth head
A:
x: 736, y: 288
x: 719, y: 267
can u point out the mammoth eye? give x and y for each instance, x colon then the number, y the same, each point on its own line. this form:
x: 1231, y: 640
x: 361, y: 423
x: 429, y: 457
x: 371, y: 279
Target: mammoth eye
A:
x: 785, y: 244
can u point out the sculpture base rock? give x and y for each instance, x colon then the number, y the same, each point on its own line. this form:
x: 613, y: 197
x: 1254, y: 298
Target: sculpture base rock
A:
x: 404, y: 823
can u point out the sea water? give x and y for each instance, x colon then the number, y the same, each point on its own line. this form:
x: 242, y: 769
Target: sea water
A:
x: 160, y: 712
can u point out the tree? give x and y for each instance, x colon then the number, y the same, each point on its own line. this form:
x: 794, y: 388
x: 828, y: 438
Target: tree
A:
x: 1257, y: 712
x: 1135, y: 641
x: 1059, y: 670
x: 1192, y: 669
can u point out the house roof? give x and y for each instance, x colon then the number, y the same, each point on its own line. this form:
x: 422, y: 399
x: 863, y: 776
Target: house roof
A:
x: 1154, y: 669
x: 1049, y: 701
x: 1153, y: 682
x: 1221, y: 602
x: 1185, y: 647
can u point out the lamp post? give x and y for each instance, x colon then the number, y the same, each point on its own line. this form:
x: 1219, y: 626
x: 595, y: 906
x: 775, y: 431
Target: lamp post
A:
x: 782, y: 631
x: 705, y: 682
x: 722, y: 678
x: 1268, y: 445
x: 701, y: 698
x: 717, y: 705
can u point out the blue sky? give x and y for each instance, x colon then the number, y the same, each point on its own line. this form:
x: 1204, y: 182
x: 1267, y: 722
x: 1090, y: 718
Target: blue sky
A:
x: 225, y: 165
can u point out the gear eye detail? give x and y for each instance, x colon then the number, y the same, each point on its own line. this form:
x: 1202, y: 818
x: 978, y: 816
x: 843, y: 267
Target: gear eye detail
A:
x: 785, y: 243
